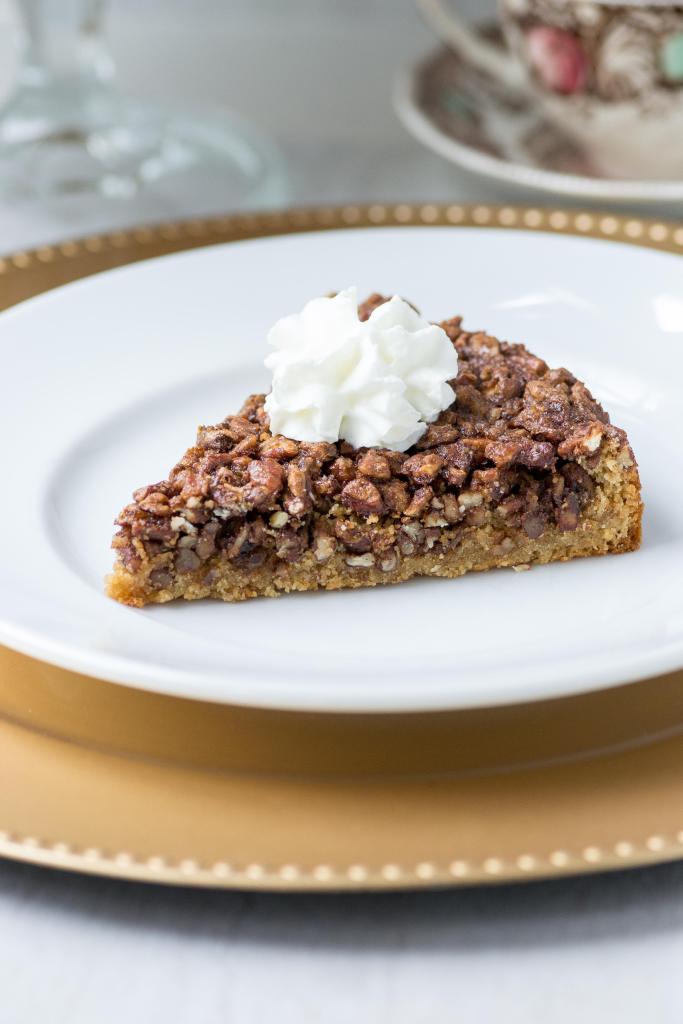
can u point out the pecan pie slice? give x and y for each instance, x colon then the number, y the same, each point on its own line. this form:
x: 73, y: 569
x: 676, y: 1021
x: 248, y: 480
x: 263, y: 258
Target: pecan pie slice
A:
x: 523, y: 468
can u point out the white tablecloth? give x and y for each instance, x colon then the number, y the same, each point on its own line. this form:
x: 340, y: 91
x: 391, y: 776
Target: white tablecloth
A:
x: 316, y: 75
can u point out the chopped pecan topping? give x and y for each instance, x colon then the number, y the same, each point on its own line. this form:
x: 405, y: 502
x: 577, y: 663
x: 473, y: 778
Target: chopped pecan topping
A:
x: 156, y: 503
x: 374, y: 465
x: 343, y: 470
x: 516, y: 450
x: 436, y: 434
x: 186, y: 560
x: 279, y: 448
x: 352, y: 536
x: 266, y: 481
x: 568, y: 514
x: 362, y: 497
x: 423, y: 468
x: 298, y: 499
x: 206, y: 542
x: 470, y: 400
x: 240, y: 426
x: 396, y: 496
x: 291, y: 543
x: 533, y: 525
x: 419, y: 502
x: 160, y: 578
x: 458, y: 455
x: 324, y: 546
x: 216, y: 438
x: 585, y: 440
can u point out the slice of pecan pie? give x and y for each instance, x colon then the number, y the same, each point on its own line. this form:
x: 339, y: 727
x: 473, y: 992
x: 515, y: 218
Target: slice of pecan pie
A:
x: 523, y: 468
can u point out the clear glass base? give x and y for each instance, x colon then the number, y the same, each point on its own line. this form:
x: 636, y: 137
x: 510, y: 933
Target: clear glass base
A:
x: 54, y: 145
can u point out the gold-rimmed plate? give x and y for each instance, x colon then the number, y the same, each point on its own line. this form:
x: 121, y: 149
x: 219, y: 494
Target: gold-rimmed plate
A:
x: 146, y: 352
x: 116, y: 781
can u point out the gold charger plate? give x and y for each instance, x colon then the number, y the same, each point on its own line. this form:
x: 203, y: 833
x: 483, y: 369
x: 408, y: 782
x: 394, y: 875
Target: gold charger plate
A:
x: 103, y: 778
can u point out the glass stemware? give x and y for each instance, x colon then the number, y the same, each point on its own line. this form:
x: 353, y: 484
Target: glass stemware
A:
x: 66, y: 130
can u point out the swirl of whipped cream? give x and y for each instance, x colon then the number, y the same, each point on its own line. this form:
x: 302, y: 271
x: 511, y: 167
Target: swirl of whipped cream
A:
x: 375, y: 384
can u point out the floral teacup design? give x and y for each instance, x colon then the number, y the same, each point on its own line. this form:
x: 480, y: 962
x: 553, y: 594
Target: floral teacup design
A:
x: 610, y: 74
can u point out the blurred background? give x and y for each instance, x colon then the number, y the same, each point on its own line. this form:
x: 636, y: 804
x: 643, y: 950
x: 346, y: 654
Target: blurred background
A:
x: 315, y: 76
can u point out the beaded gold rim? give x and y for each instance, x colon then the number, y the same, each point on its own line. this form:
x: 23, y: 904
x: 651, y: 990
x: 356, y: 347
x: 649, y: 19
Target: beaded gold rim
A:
x: 170, y: 237
x: 655, y: 849
x: 658, y: 234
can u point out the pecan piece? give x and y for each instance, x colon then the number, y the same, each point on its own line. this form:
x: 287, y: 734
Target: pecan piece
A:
x: 253, y: 410
x: 278, y: 519
x: 503, y: 452
x: 511, y: 506
x: 156, y: 503
x: 291, y: 544
x: 457, y: 455
x: 365, y: 561
x: 584, y: 441
x: 389, y: 560
x: 343, y: 470
x: 240, y: 427
x: 152, y: 528
x: 352, y: 536
x: 230, y: 500
x: 326, y: 486
x: 496, y: 482
x: 410, y: 537
x: 468, y: 399
x: 160, y: 578
x: 395, y: 495
x: 537, y: 455
x: 324, y: 546
x: 533, y: 525
x: 419, y: 502
x: 279, y: 448
x: 298, y: 499
x: 217, y: 439
x: 266, y: 479
x: 318, y: 452
x: 455, y: 477
x: 437, y: 434
x: 568, y: 514
x: 186, y: 560
x: 362, y: 497
x: 247, y: 446
x: 374, y: 465
x: 477, y: 449
x: 451, y: 508
x: 423, y: 468
x: 206, y: 542
x: 546, y: 411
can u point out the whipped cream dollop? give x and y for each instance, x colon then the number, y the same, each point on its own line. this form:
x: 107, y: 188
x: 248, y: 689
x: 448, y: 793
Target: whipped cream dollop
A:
x: 375, y: 384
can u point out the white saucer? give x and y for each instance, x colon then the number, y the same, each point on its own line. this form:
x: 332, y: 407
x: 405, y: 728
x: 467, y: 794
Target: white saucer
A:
x: 466, y: 117
x: 104, y: 382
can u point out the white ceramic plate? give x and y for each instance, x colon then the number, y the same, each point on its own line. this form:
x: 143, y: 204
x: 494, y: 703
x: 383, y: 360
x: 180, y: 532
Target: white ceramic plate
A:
x: 104, y: 382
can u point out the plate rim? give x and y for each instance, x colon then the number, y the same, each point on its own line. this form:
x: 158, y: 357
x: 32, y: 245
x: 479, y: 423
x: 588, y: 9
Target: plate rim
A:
x: 76, y: 259
x: 81, y: 840
x: 422, y: 127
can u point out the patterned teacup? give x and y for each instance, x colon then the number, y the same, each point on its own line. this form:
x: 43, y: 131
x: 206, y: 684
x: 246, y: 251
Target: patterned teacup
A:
x: 610, y: 74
